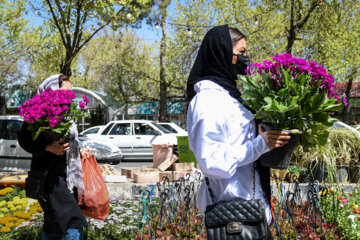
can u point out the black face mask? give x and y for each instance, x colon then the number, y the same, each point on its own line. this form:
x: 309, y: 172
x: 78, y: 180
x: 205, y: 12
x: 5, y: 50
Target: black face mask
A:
x: 240, y: 66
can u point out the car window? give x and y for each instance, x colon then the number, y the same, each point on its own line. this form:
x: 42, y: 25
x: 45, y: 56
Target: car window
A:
x: 144, y: 129
x: 121, y: 129
x: 107, y: 129
x: 169, y: 128
x: 91, y: 131
x: 3, y: 131
x: 9, y: 129
x: 164, y: 130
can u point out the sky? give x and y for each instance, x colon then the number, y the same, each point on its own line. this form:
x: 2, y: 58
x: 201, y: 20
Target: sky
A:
x: 149, y: 33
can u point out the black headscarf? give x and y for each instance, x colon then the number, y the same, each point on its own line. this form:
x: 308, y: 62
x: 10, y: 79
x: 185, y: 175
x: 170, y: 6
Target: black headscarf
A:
x: 214, y: 62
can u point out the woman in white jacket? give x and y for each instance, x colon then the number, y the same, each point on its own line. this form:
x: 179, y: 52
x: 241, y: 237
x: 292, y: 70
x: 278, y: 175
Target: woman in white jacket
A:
x: 222, y: 133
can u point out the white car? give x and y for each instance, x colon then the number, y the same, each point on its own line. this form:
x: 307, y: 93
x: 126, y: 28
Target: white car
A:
x: 135, y: 137
x: 15, y: 158
x: 340, y: 124
x: 174, y: 128
x: 93, y: 130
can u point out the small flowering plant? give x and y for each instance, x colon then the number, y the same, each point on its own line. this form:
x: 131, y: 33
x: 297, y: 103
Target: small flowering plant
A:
x: 294, y: 94
x: 52, y: 110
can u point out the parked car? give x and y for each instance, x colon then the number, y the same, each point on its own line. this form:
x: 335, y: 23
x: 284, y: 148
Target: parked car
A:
x: 174, y: 128
x: 14, y: 158
x: 339, y: 125
x: 93, y: 130
x: 135, y: 137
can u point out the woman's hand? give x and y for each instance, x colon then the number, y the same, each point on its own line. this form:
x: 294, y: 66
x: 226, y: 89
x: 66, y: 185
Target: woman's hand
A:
x: 57, y: 147
x: 274, y: 138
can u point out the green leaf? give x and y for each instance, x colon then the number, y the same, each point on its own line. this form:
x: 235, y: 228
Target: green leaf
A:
x: 37, y: 133
x: 272, y: 105
x: 315, y: 102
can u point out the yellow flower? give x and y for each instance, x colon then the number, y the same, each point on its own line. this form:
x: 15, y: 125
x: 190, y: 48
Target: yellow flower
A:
x: 16, y: 198
x: 13, y: 209
x: 5, y: 230
x: 355, y: 206
x: 4, y: 209
x: 9, y: 224
x: 3, y: 221
x: 1, y: 215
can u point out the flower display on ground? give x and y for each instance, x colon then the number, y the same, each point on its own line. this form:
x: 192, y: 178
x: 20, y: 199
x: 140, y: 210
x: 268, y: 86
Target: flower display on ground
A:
x: 292, y: 93
x: 52, y: 110
x: 16, y: 210
x: 318, y: 218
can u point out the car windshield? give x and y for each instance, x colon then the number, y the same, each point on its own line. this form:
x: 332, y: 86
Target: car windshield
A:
x: 164, y: 130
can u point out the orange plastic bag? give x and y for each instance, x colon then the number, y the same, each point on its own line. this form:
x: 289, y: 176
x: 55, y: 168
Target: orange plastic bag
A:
x: 95, y: 201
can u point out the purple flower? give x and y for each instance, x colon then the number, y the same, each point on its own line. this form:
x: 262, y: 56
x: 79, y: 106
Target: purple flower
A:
x: 295, y: 67
x: 49, y: 108
x: 86, y: 100
x: 82, y: 105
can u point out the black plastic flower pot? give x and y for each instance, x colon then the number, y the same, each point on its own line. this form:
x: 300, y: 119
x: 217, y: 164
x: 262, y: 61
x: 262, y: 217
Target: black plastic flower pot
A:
x: 280, y: 158
x: 54, y: 136
x: 354, y: 173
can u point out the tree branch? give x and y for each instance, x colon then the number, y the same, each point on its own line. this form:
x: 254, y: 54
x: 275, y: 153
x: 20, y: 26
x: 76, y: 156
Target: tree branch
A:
x: 56, y: 22
x: 77, y: 27
x: 66, y: 26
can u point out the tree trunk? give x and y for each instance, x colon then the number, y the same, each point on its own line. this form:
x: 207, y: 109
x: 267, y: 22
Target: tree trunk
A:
x: 65, y: 66
x: 291, y: 32
x: 346, y: 112
x: 163, y: 87
x: 2, y: 105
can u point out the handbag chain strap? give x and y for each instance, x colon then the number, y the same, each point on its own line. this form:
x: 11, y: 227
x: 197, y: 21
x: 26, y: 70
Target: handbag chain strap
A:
x: 212, y: 194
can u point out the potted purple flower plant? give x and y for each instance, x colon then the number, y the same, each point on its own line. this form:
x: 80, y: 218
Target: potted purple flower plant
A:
x: 292, y: 94
x: 53, y: 111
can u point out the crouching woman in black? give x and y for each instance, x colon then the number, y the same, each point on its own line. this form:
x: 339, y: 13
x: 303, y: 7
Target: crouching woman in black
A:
x: 63, y: 218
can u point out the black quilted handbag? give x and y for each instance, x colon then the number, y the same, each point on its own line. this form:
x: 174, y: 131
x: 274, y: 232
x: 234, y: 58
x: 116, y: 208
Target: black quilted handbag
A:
x: 35, y: 184
x: 235, y: 220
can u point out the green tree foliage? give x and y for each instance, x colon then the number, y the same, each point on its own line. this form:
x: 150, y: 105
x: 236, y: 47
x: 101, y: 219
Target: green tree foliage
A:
x: 77, y: 22
x: 16, y: 42
x: 123, y: 65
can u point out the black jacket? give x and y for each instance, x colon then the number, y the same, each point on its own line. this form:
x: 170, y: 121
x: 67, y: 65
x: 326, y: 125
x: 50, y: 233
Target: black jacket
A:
x: 61, y: 210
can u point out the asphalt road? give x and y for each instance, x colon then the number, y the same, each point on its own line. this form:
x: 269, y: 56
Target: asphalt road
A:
x: 133, y: 164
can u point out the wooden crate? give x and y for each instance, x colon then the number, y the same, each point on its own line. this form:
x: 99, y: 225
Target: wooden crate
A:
x: 184, y: 166
x: 146, y: 177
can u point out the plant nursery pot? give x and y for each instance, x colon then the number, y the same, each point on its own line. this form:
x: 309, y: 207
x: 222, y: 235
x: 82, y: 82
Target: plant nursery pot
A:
x: 54, y: 136
x: 283, y: 174
x: 303, y: 178
x: 294, y: 177
x: 318, y: 171
x: 342, y: 173
x: 279, y: 158
x: 354, y: 173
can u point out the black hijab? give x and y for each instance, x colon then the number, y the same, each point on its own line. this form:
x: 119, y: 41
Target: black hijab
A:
x: 214, y: 62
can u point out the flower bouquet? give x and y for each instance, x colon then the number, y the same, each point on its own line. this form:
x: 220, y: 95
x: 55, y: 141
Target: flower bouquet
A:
x: 292, y: 94
x: 52, y: 111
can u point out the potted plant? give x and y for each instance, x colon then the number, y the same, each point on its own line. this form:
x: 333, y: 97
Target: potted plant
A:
x: 294, y: 173
x: 343, y: 149
x: 291, y: 94
x: 52, y: 112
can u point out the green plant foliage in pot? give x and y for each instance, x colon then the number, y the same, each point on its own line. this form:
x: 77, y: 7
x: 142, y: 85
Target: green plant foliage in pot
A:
x: 293, y: 94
